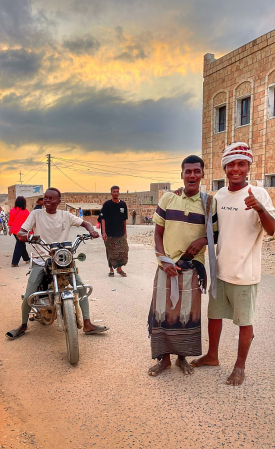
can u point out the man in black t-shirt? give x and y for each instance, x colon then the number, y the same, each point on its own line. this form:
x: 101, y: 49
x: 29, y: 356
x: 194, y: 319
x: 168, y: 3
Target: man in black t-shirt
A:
x: 114, y: 215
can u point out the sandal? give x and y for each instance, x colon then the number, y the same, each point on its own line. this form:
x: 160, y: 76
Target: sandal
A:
x: 122, y: 273
x: 97, y: 330
x: 12, y: 335
x: 111, y: 274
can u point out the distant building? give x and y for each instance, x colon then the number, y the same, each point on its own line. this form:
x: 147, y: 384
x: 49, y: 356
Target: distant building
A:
x: 239, y: 105
x: 3, y: 198
x: 26, y: 190
x: 156, y: 186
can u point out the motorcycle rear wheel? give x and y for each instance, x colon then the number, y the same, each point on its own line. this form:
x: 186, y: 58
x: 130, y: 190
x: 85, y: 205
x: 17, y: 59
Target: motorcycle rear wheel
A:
x: 71, y: 332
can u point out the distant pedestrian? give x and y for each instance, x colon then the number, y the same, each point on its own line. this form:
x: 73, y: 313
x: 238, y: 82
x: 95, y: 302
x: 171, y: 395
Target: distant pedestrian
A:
x: 39, y: 203
x: 134, y: 215
x: 2, y: 213
x: 114, y: 215
x: 80, y: 213
x: 18, y: 216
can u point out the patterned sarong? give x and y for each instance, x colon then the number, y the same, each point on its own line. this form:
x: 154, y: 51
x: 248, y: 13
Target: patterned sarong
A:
x: 117, y: 251
x: 175, y: 331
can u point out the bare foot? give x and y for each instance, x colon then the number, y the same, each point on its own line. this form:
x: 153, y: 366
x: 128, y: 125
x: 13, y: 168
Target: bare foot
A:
x: 159, y: 367
x: 236, y: 377
x: 204, y: 360
x: 88, y: 326
x: 184, y: 366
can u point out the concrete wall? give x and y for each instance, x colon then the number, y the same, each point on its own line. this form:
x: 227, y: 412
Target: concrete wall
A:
x: 248, y: 70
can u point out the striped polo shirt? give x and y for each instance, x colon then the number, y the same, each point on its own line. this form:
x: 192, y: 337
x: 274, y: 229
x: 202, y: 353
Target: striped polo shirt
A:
x: 184, y: 221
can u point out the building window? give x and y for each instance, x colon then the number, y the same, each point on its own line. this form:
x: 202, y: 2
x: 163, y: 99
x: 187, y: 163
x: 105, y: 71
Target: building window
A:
x: 270, y: 180
x: 271, y: 101
x: 217, y: 184
x: 222, y: 118
x: 219, y: 119
x: 243, y: 111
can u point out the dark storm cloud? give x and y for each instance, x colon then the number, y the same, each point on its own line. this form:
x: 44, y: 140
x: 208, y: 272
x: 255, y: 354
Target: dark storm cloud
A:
x: 82, y: 45
x: 18, y: 24
x: 132, y: 54
x: 103, y: 120
x: 18, y: 65
x: 13, y: 164
x: 119, y: 34
x: 225, y: 25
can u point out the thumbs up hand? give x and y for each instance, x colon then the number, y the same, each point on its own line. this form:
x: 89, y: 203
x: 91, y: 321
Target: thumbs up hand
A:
x: 252, y: 202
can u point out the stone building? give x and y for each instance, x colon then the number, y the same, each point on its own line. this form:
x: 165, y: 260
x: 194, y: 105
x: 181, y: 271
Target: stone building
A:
x: 27, y: 190
x: 239, y: 105
x: 144, y: 203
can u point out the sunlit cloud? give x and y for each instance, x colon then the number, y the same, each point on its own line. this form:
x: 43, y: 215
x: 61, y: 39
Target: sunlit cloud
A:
x: 98, y: 80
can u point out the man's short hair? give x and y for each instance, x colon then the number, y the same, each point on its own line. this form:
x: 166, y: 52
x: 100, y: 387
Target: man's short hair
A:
x: 192, y: 160
x: 114, y: 187
x: 55, y: 190
x: 40, y: 199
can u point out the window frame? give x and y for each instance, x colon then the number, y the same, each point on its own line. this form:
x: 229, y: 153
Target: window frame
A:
x: 239, y: 111
x: 216, y: 127
x: 245, y: 117
x: 271, y: 101
x: 269, y: 178
x: 215, y: 184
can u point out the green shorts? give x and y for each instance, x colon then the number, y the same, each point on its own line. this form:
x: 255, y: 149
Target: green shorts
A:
x: 234, y: 302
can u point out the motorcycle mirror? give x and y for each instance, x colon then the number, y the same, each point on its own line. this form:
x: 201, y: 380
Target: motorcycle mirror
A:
x: 81, y: 257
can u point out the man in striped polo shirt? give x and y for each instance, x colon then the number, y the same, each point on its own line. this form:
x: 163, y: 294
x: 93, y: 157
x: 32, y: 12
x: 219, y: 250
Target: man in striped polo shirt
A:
x: 180, y: 237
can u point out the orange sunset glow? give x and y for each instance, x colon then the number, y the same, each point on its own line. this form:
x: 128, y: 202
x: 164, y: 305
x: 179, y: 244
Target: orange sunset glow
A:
x: 112, y: 90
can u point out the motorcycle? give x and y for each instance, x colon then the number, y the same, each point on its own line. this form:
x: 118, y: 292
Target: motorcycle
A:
x: 4, y: 225
x: 57, y: 296
x: 148, y: 220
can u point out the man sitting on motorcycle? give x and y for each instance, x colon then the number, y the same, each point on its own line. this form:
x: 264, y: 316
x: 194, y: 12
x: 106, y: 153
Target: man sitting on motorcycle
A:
x: 52, y: 225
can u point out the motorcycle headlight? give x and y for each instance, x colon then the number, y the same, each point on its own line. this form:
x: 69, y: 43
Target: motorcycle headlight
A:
x: 63, y: 257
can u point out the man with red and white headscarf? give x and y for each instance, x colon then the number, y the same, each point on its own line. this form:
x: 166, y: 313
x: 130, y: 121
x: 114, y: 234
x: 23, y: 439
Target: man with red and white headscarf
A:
x: 244, y: 213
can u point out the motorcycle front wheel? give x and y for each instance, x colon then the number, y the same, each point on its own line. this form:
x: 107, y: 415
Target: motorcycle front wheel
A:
x: 5, y: 231
x: 71, y: 332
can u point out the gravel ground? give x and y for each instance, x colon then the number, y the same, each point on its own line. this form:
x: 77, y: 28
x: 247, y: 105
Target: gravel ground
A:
x: 108, y: 401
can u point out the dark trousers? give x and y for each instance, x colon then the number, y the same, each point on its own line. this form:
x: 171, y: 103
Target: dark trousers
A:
x: 19, y: 251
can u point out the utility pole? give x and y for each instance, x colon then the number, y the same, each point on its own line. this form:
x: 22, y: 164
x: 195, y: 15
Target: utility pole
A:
x: 49, y: 170
x: 20, y: 178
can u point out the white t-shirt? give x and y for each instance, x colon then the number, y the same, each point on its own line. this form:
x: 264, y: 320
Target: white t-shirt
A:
x: 240, y: 236
x: 50, y: 227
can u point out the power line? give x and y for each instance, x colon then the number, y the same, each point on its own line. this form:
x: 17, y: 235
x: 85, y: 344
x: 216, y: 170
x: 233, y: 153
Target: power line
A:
x: 69, y: 177
x: 35, y: 166
x: 33, y: 176
x: 144, y: 160
x: 86, y: 163
x: 121, y: 174
x: 88, y: 172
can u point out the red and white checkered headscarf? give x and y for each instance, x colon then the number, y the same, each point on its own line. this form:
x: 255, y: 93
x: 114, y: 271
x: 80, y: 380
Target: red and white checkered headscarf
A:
x: 237, y: 150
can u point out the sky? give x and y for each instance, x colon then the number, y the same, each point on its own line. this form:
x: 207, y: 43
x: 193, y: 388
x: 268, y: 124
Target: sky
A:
x: 111, y: 89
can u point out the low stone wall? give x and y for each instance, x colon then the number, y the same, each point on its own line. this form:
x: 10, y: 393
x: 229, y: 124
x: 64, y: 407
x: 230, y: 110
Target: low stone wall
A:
x: 145, y: 210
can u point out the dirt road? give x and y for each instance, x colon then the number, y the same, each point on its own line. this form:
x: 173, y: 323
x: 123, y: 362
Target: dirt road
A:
x: 108, y: 400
